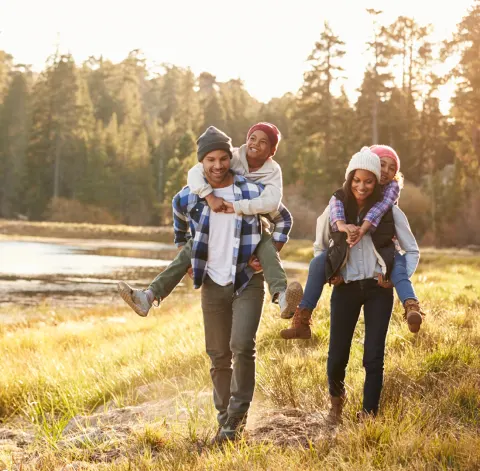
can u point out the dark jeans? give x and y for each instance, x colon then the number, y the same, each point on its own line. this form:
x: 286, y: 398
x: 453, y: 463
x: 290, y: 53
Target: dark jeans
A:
x: 346, y: 303
x: 231, y: 323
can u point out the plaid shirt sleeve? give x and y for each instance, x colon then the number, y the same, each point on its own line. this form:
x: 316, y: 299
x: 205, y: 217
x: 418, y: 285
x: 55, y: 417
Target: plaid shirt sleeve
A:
x: 337, y: 212
x: 378, y: 210
x: 282, y: 219
x: 180, y: 220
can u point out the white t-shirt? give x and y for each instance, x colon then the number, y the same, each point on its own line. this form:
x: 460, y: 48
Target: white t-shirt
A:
x: 221, y: 240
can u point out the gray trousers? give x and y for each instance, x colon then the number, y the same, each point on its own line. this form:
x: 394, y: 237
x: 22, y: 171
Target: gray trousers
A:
x: 231, y: 323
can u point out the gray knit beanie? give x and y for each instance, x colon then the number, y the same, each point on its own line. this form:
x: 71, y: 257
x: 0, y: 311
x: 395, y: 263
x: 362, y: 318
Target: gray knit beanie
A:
x: 213, y: 139
x: 365, y: 160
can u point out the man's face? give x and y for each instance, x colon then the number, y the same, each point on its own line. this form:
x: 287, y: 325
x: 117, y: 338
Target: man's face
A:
x: 216, y: 165
x: 258, y: 146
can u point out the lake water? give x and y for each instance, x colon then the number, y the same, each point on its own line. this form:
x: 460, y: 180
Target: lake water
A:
x: 80, y: 272
x: 25, y: 258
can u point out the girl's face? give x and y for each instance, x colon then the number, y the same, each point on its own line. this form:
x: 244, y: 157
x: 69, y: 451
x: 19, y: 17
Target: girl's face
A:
x: 363, y: 184
x: 389, y: 169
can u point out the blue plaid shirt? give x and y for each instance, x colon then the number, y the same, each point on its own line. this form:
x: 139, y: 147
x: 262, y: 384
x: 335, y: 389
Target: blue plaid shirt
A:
x: 191, y: 217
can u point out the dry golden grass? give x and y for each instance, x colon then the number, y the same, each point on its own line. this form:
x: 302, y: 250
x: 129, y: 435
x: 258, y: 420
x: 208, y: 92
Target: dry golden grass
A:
x: 60, y: 364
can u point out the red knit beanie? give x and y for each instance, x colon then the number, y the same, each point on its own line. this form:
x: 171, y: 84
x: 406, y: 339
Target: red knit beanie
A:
x: 270, y: 130
x: 386, y: 151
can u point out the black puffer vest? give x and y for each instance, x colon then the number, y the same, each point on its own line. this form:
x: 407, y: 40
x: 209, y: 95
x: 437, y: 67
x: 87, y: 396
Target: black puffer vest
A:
x: 382, y: 240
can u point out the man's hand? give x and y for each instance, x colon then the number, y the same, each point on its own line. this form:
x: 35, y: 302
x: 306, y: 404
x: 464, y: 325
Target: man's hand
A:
x: 383, y: 282
x: 254, y: 263
x: 216, y: 204
x: 336, y: 280
x: 228, y: 207
x: 279, y: 245
x: 190, y: 272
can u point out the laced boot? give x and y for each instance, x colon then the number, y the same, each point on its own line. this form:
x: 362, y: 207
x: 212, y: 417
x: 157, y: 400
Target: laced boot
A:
x: 231, y: 430
x: 300, y: 328
x: 334, y: 416
x: 413, y: 315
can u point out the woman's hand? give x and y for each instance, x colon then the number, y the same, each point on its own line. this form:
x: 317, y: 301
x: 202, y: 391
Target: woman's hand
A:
x: 383, y: 282
x: 355, y: 239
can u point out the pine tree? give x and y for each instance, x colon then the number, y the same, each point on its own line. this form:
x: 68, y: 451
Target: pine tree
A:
x: 466, y: 102
x: 377, y: 76
x: 62, y: 123
x: 315, y: 111
x: 14, y: 132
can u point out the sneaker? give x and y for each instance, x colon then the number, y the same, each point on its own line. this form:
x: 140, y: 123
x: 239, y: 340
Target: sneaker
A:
x: 289, y: 299
x: 232, y: 430
x: 135, y: 298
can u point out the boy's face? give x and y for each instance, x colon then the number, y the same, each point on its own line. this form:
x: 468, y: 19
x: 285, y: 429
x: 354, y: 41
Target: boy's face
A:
x: 389, y: 169
x: 216, y: 165
x: 258, y: 146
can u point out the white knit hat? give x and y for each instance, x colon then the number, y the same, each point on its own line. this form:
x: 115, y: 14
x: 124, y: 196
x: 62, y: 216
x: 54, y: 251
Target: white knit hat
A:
x: 365, y: 160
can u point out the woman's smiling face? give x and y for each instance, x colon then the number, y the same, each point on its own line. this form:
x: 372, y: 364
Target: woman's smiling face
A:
x: 363, y: 184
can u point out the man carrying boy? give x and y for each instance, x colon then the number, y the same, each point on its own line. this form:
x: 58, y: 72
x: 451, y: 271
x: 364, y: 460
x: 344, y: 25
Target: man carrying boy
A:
x: 232, y: 293
x: 254, y: 161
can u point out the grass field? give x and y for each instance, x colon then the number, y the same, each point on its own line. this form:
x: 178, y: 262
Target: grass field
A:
x: 140, y: 388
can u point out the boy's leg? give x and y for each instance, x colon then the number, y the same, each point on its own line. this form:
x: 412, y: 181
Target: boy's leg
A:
x: 287, y: 296
x: 406, y: 293
x: 166, y: 281
x: 273, y: 271
x: 141, y: 300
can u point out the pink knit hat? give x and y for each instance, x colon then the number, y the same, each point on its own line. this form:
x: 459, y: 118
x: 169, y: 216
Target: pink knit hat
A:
x: 386, y: 151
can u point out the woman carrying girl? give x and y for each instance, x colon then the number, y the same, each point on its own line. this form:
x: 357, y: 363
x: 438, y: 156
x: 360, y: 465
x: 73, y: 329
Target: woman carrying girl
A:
x: 391, y: 182
x: 358, y: 268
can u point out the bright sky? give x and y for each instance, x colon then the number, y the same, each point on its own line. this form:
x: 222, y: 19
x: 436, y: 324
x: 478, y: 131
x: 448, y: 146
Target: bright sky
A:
x: 263, y: 42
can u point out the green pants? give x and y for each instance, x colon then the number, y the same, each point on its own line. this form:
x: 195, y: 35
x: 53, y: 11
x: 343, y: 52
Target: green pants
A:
x: 266, y: 252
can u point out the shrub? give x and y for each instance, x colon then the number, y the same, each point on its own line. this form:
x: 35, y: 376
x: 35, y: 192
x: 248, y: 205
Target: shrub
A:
x: 65, y: 210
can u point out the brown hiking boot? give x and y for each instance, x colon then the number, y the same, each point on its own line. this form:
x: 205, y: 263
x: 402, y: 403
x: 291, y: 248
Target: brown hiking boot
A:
x: 413, y: 315
x: 300, y: 328
x: 334, y: 416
